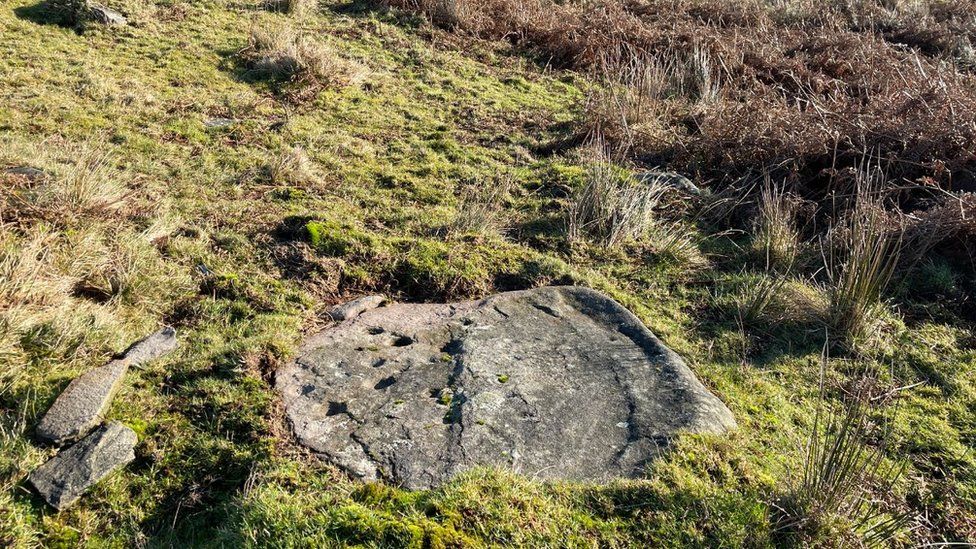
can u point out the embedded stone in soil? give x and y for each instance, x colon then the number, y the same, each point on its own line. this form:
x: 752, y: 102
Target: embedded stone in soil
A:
x: 558, y: 382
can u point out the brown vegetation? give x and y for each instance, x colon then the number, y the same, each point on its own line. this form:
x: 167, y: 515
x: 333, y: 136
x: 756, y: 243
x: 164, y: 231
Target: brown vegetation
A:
x: 282, y: 53
x: 802, y: 87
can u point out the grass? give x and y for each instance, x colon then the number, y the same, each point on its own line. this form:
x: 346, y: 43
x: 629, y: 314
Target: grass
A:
x: 481, y: 209
x: 777, y: 238
x: 282, y: 53
x: 844, y: 467
x: 611, y: 208
x: 861, y: 256
x: 184, y: 224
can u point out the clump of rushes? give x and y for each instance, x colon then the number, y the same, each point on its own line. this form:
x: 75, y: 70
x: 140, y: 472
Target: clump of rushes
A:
x: 481, y: 209
x: 777, y: 240
x: 282, y: 53
x: 757, y: 295
x: 840, y: 471
x: 861, y: 253
x: 612, y: 208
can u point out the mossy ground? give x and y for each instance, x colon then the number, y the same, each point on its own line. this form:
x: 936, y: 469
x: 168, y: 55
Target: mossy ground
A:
x: 251, y: 263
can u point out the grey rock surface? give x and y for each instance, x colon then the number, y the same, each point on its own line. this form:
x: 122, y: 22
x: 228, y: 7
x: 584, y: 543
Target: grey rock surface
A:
x: 106, y: 16
x: 68, y: 475
x: 356, y: 307
x: 82, y: 405
x: 557, y: 382
x: 29, y: 172
x: 152, y: 347
x: 219, y: 122
x: 669, y: 179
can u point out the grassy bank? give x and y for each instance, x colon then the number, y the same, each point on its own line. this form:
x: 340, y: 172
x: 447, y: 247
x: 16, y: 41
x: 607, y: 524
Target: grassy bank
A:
x: 190, y: 180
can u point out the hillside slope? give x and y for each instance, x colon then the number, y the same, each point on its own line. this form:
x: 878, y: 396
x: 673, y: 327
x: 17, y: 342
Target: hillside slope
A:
x: 193, y: 181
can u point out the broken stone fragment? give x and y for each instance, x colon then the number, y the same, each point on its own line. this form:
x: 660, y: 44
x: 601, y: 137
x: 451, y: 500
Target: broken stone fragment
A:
x: 28, y: 172
x: 106, y: 16
x: 82, y: 405
x: 68, y: 475
x: 356, y: 307
x: 155, y: 346
x: 669, y: 180
x: 84, y: 402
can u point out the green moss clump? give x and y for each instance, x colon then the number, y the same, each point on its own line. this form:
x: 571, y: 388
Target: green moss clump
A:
x: 338, y: 240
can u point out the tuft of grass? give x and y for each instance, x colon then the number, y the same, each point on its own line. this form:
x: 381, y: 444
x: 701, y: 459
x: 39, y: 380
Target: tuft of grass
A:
x: 293, y: 167
x: 481, y: 209
x: 85, y: 187
x: 757, y: 296
x: 844, y: 464
x: 861, y: 253
x: 612, y: 208
x: 283, y: 53
x: 776, y: 237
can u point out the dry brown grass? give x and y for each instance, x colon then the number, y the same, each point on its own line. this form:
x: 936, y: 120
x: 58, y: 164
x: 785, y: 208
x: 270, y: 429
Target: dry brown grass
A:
x: 282, y: 53
x: 805, y: 86
x: 84, y: 187
x: 293, y: 167
x: 73, y: 264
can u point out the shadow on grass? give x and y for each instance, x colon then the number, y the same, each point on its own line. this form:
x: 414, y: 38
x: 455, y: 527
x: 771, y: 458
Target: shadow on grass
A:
x: 43, y: 13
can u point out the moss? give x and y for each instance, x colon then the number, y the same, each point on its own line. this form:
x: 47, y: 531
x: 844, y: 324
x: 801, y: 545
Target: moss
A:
x: 337, y: 240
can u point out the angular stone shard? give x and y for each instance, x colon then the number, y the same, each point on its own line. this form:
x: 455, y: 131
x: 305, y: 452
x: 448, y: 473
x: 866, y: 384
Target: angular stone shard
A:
x: 670, y: 180
x: 356, y: 307
x: 82, y: 405
x: 152, y: 347
x: 106, y: 16
x: 556, y: 382
x: 68, y: 475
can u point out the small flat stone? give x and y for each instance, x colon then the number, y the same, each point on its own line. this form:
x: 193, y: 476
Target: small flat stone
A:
x: 82, y: 405
x: 670, y: 180
x: 356, y: 307
x: 29, y: 172
x: 152, y: 347
x: 68, y: 475
x: 218, y: 122
x: 106, y: 16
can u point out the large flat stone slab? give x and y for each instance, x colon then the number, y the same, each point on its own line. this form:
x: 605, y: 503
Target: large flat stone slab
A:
x: 552, y: 382
x: 82, y: 405
x: 68, y: 475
